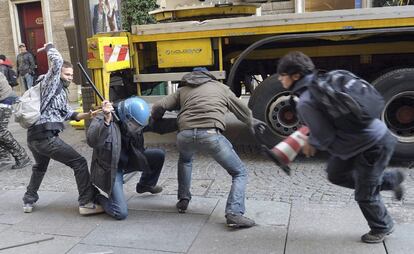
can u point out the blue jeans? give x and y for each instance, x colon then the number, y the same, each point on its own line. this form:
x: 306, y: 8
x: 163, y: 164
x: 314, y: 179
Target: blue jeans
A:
x: 28, y: 81
x: 365, y: 173
x: 211, y: 142
x: 116, y: 206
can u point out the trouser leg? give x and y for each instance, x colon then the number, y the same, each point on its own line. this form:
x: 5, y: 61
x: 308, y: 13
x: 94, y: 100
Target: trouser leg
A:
x: 116, y: 206
x: 38, y: 172
x: 225, y: 155
x: 58, y: 150
x: 7, y: 142
x: 155, y: 158
x: 370, y: 166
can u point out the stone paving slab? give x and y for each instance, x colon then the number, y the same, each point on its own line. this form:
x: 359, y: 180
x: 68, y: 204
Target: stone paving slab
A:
x: 4, y: 227
x: 149, y: 230
x: 166, y: 203
x: 60, y: 217
x: 11, y: 209
x: 95, y: 249
x: 316, y: 229
x: 215, y: 238
x: 264, y: 213
x: 51, y: 244
x: 402, y: 240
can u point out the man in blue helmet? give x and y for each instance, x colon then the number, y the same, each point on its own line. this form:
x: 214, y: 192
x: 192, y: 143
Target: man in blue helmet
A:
x: 203, y: 102
x: 118, y: 148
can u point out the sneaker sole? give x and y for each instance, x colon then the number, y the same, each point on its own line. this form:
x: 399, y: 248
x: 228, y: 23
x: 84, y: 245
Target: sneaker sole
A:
x: 380, y: 241
x: 232, y: 225
x: 27, y: 209
x: 88, y: 211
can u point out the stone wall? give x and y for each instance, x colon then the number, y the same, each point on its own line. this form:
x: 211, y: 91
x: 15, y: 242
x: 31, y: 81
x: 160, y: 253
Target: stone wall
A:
x: 278, y: 7
x: 59, y: 12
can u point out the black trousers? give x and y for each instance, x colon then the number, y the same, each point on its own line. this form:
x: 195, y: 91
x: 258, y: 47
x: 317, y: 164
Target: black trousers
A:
x: 365, y: 173
x: 56, y: 149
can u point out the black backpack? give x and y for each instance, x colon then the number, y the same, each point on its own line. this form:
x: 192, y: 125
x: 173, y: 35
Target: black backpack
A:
x: 352, y: 103
x: 11, y: 77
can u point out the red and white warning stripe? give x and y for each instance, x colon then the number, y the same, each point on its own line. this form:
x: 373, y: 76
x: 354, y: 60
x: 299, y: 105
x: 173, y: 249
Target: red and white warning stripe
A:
x: 116, y: 53
x: 287, y: 150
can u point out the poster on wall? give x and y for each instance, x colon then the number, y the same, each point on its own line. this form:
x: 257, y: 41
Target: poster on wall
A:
x: 105, y: 15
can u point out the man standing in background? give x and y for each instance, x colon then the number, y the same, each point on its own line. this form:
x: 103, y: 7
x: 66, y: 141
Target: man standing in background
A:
x: 26, y: 66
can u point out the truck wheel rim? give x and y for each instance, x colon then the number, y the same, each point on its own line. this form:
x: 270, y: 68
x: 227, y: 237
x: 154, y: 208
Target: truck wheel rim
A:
x: 281, y: 116
x: 398, y: 115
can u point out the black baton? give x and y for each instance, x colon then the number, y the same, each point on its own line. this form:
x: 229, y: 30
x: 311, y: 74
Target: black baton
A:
x: 94, y: 88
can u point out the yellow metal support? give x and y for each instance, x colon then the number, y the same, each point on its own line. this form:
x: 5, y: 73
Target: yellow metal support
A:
x: 101, y: 79
x: 326, y: 51
x: 177, y: 14
x: 135, y: 60
x: 220, y: 49
x: 280, y: 29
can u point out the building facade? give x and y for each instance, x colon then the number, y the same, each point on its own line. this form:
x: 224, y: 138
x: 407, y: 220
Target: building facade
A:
x: 35, y: 22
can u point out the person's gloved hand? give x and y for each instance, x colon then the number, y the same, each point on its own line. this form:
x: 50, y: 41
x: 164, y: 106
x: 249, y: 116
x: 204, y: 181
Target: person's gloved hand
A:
x: 257, y: 126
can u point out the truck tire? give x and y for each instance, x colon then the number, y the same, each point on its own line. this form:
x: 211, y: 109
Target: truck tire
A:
x: 270, y: 102
x: 397, y: 87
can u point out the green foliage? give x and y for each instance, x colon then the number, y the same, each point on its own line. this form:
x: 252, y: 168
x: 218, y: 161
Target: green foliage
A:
x: 381, y: 3
x: 135, y: 12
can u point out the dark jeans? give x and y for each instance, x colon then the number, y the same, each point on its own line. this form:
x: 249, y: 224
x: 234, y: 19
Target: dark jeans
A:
x: 116, y: 206
x: 365, y: 173
x: 56, y: 149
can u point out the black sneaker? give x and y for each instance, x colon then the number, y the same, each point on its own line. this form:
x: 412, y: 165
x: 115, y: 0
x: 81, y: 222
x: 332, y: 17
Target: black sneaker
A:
x: 182, y: 205
x: 372, y: 237
x: 22, y: 163
x: 239, y: 221
x: 398, y: 189
x: 152, y: 189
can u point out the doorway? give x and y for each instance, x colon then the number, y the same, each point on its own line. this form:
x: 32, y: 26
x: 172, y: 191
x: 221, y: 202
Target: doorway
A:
x: 33, y: 33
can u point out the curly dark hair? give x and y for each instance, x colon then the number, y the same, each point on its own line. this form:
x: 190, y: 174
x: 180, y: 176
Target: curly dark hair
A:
x: 295, y: 62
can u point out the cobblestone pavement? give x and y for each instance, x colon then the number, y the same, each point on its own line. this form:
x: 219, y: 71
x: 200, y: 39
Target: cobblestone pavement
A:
x: 306, y: 184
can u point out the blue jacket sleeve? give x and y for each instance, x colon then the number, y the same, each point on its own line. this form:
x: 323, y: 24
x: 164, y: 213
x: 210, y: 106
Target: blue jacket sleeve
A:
x: 322, y: 132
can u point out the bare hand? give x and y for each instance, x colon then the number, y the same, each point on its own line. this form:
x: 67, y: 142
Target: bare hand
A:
x: 107, y: 108
x: 94, y: 113
x: 308, y: 150
x: 44, y: 46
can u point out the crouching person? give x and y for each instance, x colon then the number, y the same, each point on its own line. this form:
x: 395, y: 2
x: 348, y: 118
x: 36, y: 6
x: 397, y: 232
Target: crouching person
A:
x: 118, y: 147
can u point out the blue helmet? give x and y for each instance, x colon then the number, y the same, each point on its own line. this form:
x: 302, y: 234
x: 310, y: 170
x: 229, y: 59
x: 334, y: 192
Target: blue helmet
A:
x: 134, y: 108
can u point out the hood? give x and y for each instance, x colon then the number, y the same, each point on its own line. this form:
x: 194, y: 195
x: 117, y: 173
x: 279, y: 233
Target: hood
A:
x: 196, y: 78
x: 301, y: 84
x: 7, y: 62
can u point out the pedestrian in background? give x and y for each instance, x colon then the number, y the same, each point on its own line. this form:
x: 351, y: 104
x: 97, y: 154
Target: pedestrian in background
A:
x: 359, y: 156
x: 8, y: 144
x: 26, y: 66
x: 43, y: 137
x: 6, y: 67
x: 202, y: 102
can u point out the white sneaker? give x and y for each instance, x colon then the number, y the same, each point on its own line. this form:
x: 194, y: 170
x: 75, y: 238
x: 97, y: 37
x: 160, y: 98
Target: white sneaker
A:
x: 27, y: 208
x: 90, y: 208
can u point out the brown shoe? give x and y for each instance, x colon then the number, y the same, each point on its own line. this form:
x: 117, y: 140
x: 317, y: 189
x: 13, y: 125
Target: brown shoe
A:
x: 372, y: 237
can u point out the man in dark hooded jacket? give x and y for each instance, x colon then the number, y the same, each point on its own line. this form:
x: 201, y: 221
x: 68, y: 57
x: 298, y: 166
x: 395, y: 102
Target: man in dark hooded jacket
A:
x: 202, y: 102
x: 359, y: 156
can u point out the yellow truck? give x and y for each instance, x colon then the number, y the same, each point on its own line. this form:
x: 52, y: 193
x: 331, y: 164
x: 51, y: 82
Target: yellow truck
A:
x: 375, y: 43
